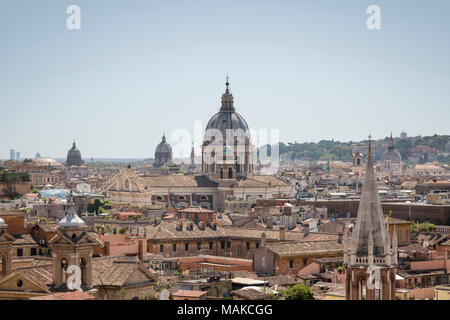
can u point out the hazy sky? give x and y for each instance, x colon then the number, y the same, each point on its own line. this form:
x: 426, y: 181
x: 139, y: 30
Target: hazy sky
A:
x: 137, y: 68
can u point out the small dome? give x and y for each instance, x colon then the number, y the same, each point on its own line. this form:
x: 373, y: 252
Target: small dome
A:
x: 391, y: 153
x: 164, y: 147
x: 163, y: 152
x: 74, y: 156
x: 71, y: 219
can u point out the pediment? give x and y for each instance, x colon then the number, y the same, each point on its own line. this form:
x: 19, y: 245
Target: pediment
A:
x: 18, y: 281
x: 6, y: 237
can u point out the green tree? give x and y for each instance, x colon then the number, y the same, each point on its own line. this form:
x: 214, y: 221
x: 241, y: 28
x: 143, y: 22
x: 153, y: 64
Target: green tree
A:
x: 298, y: 292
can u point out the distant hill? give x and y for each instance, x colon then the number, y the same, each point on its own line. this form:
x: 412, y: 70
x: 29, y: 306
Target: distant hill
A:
x: 336, y: 150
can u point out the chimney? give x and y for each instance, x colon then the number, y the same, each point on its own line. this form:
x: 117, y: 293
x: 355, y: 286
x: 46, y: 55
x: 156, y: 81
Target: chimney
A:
x: 305, y: 230
x: 446, y: 266
x: 107, y: 248
x: 282, y: 233
x: 141, y: 250
x: 340, y: 237
x: 269, y: 222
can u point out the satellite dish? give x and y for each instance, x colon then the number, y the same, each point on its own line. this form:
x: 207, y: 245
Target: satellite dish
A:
x: 164, y: 295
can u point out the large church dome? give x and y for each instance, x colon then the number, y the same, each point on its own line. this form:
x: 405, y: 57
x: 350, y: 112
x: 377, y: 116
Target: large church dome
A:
x: 391, y: 153
x: 227, y: 117
x: 163, y: 152
x: 74, y: 156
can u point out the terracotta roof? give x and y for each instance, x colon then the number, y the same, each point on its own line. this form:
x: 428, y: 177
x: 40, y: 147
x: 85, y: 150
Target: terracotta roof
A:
x: 392, y: 220
x: 261, y: 181
x: 24, y: 239
x: 305, y: 248
x: 48, y: 227
x: 116, y: 271
x: 178, y: 181
x: 195, y: 209
x: 190, y: 293
x: 249, y: 294
x: 129, y: 213
x: 167, y: 230
x: 414, y: 247
x: 40, y: 275
x: 74, y: 295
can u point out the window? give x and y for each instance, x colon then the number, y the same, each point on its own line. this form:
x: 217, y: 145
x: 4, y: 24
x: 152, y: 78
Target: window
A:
x: 291, y: 264
x: 199, y: 245
x: 230, y: 173
x: 174, y: 247
x: 161, y: 248
x: 19, y: 252
x: 257, y: 245
x: 33, y: 251
x: 186, y: 246
x: 181, y: 198
x: 210, y: 246
x: 248, y: 245
x: 229, y: 244
x: 159, y: 198
x: 239, y: 250
x: 305, y: 262
x: 222, y: 244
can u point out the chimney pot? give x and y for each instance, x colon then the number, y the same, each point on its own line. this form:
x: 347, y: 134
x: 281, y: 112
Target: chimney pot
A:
x: 282, y: 233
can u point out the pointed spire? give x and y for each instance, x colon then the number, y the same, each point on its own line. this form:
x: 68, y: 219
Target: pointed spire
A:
x: 227, y: 84
x: 370, y: 230
x: 164, y: 137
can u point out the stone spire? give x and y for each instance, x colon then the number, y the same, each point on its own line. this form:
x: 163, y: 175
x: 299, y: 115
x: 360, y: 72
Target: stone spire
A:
x: 371, y: 237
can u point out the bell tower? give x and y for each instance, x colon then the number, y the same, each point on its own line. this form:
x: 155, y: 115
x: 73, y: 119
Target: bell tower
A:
x: 72, y: 249
x: 370, y: 257
x: 6, y: 241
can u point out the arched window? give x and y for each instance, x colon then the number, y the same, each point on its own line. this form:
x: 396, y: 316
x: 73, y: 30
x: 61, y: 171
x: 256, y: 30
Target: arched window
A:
x: 83, y: 268
x: 230, y: 173
x: 63, y: 268
x: 203, y: 198
x: 159, y: 198
x: 181, y: 198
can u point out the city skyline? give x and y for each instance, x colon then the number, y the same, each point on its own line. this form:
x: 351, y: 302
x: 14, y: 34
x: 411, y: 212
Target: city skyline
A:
x: 314, y: 71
